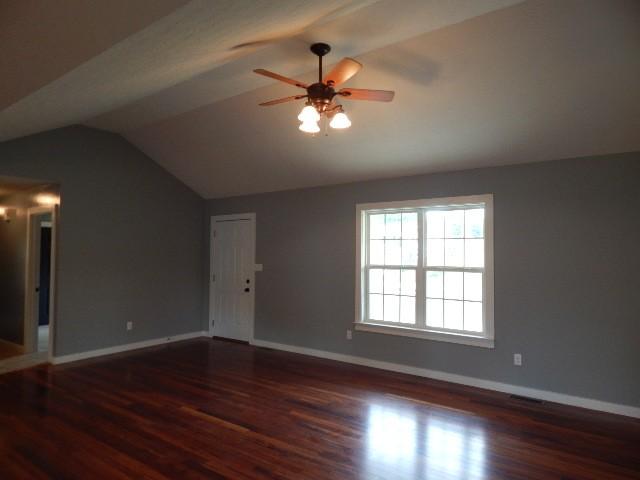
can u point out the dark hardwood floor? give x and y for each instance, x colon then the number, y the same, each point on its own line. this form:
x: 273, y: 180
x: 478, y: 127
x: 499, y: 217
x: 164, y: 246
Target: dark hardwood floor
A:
x: 208, y: 409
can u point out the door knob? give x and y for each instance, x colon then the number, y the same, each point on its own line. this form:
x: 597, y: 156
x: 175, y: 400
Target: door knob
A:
x: 246, y: 289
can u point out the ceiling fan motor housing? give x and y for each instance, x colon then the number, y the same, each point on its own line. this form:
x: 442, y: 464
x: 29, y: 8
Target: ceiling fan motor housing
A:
x: 320, y: 95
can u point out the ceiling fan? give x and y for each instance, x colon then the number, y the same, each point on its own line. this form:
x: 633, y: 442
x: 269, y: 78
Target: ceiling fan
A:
x: 321, y: 96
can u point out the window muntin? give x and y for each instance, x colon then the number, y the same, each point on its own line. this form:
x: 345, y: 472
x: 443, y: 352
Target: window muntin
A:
x: 391, y: 266
x: 423, y: 266
x: 454, y: 263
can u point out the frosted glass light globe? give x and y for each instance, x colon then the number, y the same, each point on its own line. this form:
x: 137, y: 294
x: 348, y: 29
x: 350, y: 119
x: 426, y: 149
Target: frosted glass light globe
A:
x: 340, y: 120
x: 309, y: 127
x: 309, y: 114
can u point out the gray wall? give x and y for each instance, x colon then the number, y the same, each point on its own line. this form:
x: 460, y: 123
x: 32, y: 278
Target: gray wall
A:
x: 130, y: 239
x: 13, y: 238
x: 567, y: 273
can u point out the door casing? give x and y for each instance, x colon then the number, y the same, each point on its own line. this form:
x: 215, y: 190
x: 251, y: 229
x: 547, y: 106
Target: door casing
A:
x: 31, y: 279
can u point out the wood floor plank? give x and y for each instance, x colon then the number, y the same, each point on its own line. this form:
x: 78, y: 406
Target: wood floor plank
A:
x: 208, y: 409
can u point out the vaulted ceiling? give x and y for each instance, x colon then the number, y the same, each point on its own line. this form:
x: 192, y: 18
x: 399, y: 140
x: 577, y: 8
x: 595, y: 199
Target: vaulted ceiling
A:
x: 478, y: 83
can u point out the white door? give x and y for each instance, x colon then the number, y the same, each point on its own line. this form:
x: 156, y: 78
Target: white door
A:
x: 232, y: 282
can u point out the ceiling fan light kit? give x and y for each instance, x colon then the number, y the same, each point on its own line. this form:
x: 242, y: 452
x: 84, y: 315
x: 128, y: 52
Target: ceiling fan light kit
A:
x: 309, y: 127
x: 321, y: 96
x: 340, y: 120
x: 309, y: 114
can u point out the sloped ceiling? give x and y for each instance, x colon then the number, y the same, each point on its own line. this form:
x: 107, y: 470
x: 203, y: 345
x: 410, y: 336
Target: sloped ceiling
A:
x: 477, y: 83
x: 41, y: 41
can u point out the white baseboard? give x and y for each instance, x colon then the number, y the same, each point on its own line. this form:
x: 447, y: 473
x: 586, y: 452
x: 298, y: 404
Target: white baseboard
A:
x: 565, y: 399
x: 124, y: 348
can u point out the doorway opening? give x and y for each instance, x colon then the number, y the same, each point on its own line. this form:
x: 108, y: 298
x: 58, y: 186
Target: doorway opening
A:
x: 28, y: 232
x: 39, y: 280
x: 232, y: 282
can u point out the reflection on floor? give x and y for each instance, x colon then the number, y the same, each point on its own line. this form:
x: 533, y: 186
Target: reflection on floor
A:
x: 206, y: 409
x: 8, y: 349
x: 43, y: 338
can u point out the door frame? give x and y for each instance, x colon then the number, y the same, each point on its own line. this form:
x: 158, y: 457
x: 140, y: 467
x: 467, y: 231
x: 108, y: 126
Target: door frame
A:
x: 32, y: 266
x: 251, y: 217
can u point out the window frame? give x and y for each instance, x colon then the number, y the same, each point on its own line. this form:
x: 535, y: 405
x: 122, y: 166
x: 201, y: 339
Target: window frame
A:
x: 484, y: 339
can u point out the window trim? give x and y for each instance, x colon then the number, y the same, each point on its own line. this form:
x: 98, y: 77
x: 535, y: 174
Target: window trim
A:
x: 485, y: 340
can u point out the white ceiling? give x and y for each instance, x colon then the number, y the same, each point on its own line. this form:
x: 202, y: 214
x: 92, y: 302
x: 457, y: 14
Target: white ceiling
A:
x: 477, y: 83
x: 40, y: 41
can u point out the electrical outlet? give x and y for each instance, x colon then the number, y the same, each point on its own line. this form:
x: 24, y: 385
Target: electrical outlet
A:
x: 349, y: 335
x: 129, y: 325
x: 517, y: 359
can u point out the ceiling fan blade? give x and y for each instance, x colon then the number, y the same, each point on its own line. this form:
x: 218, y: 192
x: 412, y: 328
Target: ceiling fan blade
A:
x: 343, y: 71
x: 282, y: 100
x: 267, y: 73
x: 366, y: 94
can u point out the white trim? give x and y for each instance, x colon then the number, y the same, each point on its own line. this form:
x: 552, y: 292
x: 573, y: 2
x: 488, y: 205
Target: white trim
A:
x: 251, y: 217
x: 32, y: 266
x: 361, y: 317
x: 53, y: 281
x: 488, y: 292
x: 562, y: 398
x: 425, y: 334
x: 126, y: 347
x: 360, y: 263
x: 427, y: 202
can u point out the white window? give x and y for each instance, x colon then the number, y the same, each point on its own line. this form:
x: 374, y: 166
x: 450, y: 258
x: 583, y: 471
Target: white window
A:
x: 425, y: 269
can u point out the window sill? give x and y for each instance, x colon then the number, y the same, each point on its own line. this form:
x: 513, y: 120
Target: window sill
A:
x: 425, y: 334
